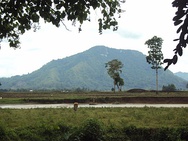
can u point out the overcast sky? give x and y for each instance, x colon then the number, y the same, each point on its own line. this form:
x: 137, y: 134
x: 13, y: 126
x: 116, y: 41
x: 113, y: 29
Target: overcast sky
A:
x: 142, y: 20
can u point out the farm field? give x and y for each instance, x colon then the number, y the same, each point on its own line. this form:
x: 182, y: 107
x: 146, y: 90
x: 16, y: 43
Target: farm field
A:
x: 179, y: 97
x: 104, y: 124
x: 94, y: 123
x: 139, y: 117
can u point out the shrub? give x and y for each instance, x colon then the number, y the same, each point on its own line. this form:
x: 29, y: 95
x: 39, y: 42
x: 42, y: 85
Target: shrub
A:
x: 28, y: 134
x: 91, y: 131
x: 136, y: 90
x: 170, y: 87
x: 2, y: 133
x: 152, y: 134
x: 115, y: 134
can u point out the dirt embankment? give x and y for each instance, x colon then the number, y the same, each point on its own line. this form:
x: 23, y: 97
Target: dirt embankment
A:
x: 101, y: 97
x: 148, y: 100
x: 156, y: 100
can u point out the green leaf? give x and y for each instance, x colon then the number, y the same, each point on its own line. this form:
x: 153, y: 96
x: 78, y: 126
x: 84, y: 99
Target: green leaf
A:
x: 59, y: 6
x: 177, y: 22
x: 175, y: 59
x: 56, y: 1
x: 103, y: 5
x: 180, y: 51
x: 35, y: 17
x: 179, y: 16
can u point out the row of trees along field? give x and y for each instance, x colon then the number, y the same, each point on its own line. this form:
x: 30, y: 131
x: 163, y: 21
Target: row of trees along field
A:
x: 16, y: 17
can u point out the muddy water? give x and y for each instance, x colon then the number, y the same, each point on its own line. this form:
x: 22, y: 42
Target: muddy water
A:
x: 31, y: 106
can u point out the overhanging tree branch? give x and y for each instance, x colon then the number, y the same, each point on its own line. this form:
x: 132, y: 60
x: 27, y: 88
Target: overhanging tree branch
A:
x: 180, y: 19
x: 18, y: 16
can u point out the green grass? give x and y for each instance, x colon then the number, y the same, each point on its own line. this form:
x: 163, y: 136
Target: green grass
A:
x: 59, y: 123
x: 119, y: 117
x: 12, y: 101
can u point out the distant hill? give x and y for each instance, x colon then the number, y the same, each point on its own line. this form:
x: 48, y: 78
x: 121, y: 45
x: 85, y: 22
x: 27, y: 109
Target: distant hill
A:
x: 87, y: 70
x: 183, y: 75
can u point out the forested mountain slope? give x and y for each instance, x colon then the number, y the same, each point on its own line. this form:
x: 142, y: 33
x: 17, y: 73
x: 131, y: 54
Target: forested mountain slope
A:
x: 87, y: 70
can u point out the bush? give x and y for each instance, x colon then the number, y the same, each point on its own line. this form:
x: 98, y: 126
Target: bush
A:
x: 2, y: 133
x: 28, y: 134
x: 115, y: 134
x: 136, y: 91
x: 150, y: 134
x: 169, y: 88
x: 91, y: 131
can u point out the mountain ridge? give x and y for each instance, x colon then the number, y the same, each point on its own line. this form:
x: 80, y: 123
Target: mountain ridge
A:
x: 183, y: 75
x: 87, y: 70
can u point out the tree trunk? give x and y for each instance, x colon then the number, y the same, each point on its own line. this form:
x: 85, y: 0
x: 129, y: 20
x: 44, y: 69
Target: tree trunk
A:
x: 117, y: 86
x: 156, y: 80
x: 120, y: 88
x: 114, y: 86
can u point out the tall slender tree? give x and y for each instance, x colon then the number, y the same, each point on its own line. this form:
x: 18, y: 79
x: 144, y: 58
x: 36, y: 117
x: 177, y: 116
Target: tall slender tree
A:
x: 155, y: 57
x: 114, y: 69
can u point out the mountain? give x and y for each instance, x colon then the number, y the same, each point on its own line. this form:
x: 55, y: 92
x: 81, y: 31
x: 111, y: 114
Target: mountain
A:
x: 183, y: 75
x: 87, y: 70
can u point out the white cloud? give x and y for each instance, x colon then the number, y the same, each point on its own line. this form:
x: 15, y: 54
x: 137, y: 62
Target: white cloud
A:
x: 141, y: 21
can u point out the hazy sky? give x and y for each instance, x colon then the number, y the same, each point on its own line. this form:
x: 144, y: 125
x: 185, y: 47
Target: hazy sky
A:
x: 141, y: 21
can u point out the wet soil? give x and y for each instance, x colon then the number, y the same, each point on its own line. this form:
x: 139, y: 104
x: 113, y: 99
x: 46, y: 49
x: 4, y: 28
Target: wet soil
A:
x: 122, y: 100
x: 92, y: 98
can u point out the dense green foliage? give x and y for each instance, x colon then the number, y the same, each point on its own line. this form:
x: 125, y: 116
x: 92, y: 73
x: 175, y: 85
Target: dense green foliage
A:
x: 170, y: 87
x: 139, y: 117
x: 94, y: 124
x: 155, y: 55
x: 16, y: 17
x: 114, y: 68
x: 87, y: 70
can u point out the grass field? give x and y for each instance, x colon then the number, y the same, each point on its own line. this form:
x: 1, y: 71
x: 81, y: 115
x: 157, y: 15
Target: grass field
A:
x: 94, y: 124
x: 147, y: 117
x: 139, y: 117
